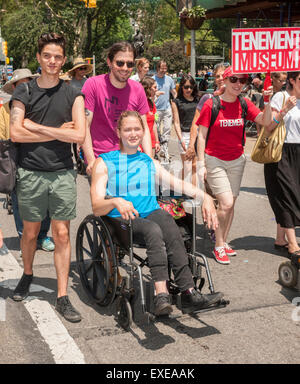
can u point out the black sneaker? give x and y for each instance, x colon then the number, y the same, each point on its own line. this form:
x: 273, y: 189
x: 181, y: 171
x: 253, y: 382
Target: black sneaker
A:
x: 162, y: 305
x: 66, y: 309
x: 192, y: 301
x: 22, y: 289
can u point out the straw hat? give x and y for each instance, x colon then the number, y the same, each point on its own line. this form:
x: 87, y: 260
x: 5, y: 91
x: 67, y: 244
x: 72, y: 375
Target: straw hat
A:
x: 65, y: 76
x: 18, y: 74
x: 79, y: 62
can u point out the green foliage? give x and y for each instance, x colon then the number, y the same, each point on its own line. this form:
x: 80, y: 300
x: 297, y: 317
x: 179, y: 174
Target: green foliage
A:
x: 171, y: 52
x: 196, y: 11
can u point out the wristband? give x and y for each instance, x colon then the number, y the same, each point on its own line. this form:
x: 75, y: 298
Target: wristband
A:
x: 276, y: 121
x: 282, y: 113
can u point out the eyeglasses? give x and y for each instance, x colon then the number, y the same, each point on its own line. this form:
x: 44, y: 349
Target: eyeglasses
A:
x: 234, y: 79
x: 188, y: 87
x: 121, y: 63
x: 82, y: 68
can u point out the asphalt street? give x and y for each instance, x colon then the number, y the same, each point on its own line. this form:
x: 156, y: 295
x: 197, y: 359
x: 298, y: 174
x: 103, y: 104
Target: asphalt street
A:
x: 260, y: 325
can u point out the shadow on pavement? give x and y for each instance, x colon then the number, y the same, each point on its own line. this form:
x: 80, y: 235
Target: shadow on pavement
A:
x: 259, y: 243
x: 255, y: 190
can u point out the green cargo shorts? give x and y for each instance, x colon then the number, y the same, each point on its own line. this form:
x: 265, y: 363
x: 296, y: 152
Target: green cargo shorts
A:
x: 39, y: 192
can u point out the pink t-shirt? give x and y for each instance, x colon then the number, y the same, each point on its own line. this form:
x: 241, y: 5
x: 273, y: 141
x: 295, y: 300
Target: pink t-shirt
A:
x: 107, y: 103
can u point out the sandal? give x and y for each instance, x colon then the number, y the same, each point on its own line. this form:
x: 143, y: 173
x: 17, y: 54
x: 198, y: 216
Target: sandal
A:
x: 295, y: 254
x: 281, y: 247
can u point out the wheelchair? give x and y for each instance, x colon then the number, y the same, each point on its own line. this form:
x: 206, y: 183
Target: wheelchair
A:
x: 103, y: 245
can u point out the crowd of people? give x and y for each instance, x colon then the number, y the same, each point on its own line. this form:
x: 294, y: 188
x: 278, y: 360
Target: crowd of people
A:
x: 122, y: 122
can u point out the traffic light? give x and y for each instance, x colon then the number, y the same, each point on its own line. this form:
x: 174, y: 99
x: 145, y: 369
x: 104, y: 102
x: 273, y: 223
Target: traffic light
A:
x: 90, y: 3
x: 188, y: 48
x: 7, y: 60
x: 4, y: 48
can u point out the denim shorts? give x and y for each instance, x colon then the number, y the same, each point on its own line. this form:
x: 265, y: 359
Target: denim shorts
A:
x: 39, y: 192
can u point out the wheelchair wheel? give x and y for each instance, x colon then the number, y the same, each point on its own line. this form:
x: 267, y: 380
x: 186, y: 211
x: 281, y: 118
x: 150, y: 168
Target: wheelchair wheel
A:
x: 288, y: 274
x: 124, y: 313
x: 96, y: 260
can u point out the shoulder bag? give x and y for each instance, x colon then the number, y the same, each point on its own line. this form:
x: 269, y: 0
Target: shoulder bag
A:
x: 268, y: 147
x: 8, y: 166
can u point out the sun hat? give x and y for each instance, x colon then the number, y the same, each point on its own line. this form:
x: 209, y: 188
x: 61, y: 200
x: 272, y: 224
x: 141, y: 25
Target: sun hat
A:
x: 228, y: 73
x: 79, y: 62
x: 65, y: 76
x: 18, y: 74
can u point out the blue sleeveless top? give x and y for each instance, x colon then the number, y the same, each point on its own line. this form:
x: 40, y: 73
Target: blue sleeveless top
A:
x: 131, y: 177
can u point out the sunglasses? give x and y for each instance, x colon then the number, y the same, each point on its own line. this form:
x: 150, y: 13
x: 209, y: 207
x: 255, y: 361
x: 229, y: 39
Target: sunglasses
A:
x: 82, y: 68
x: 234, y: 79
x: 188, y: 87
x: 121, y: 63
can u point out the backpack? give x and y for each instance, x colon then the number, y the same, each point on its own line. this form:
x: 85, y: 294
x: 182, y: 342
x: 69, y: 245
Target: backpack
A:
x: 216, y: 109
x: 8, y: 165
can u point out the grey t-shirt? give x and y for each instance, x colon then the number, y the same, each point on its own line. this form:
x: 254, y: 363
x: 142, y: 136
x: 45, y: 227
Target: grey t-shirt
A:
x: 78, y: 84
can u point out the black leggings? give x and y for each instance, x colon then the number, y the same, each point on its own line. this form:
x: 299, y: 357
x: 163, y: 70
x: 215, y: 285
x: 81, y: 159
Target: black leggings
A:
x: 164, y: 243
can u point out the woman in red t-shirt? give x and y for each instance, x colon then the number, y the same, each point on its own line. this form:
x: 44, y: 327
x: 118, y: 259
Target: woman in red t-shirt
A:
x: 221, y: 157
x: 150, y: 88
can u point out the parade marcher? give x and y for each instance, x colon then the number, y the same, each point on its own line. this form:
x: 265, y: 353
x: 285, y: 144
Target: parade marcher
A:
x: 142, y: 68
x: 46, y: 116
x: 221, y: 152
x: 183, y: 109
x: 278, y: 81
x: 20, y: 76
x: 166, y: 85
x: 111, y: 175
x: 150, y: 88
x: 283, y: 178
x: 106, y: 96
x: 219, y: 82
x: 79, y: 71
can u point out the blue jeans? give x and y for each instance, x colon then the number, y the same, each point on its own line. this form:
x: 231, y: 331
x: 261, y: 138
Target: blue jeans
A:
x: 45, y: 225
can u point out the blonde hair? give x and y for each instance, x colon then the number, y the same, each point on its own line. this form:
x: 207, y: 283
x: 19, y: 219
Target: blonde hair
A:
x: 123, y: 116
x: 141, y: 62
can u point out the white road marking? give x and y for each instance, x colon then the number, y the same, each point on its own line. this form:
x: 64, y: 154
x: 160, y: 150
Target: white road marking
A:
x: 61, y: 344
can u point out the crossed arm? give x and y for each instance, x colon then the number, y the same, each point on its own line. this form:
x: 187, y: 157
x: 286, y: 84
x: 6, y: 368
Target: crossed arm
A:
x: 26, y: 131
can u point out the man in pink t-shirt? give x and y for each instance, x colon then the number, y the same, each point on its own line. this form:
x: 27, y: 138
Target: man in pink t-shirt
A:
x: 106, y: 97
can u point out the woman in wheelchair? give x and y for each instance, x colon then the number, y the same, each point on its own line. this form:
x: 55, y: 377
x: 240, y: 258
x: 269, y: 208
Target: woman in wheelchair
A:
x: 123, y: 187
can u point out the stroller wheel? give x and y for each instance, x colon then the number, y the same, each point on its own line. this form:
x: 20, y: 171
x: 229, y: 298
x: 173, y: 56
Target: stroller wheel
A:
x: 288, y: 274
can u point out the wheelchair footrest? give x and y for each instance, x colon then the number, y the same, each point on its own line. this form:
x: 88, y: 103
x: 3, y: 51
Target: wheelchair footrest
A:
x: 220, y: 304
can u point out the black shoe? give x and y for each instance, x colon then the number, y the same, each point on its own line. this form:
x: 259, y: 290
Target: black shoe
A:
x: 194, y: 301
x: 22, y: 289
x: 162, y: 305
x: 66, y: 309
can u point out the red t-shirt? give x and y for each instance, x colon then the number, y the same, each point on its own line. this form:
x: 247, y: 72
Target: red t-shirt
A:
x: 225, y: 136
x: 150, y: 121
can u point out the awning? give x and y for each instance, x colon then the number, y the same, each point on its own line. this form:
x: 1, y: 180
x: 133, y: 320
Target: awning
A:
x: 212, y: 4
x: 277, y: 11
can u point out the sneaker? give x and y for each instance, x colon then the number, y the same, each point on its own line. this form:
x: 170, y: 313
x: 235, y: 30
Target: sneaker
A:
x: 221, y: 255
x: 66, y: 309
x: 46, y: 244
x: 162, y: 305
x: 22, y: 289
x: 229, y: 251
x: 192, y: 301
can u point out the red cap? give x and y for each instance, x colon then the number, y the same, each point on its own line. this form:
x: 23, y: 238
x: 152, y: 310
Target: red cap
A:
x: 228, y: 73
